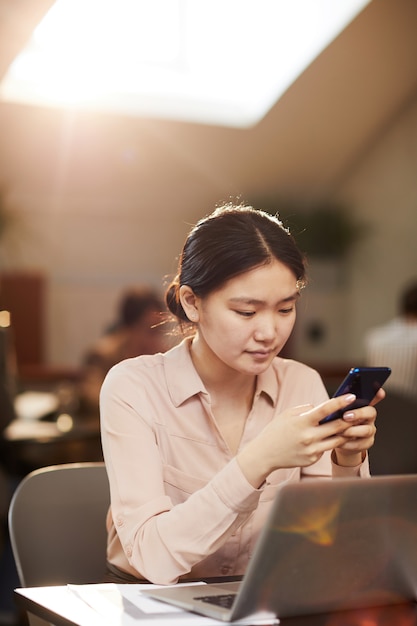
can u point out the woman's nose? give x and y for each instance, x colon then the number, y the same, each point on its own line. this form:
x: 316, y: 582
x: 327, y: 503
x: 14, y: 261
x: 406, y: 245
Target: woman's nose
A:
x: 266, y: 329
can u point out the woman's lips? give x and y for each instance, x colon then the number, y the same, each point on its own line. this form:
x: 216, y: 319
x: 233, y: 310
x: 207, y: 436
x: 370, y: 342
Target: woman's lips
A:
x: 260, y: 354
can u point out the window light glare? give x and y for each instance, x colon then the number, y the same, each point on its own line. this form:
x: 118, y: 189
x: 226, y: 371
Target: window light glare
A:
x: 212, y: 61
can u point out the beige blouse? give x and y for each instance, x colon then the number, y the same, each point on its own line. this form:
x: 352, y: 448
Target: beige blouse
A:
x: 180, y: 505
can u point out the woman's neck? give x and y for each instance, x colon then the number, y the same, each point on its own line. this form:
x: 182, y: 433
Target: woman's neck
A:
x: 218, y: 377
x: 231, y: 394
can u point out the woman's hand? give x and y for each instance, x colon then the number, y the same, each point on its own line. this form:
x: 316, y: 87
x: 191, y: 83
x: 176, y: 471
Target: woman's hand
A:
x: 295, y: 438
x: 360, y: 436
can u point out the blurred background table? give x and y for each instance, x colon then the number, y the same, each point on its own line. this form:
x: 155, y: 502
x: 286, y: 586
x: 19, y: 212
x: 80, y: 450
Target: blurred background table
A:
x: 69, y: 438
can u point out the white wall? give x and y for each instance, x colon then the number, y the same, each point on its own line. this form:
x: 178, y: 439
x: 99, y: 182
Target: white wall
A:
x: 382, y: 190
x: 89, y: 254
x: 110, y: 218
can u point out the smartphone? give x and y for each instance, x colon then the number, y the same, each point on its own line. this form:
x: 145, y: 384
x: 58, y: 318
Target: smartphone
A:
x: 364, y: 382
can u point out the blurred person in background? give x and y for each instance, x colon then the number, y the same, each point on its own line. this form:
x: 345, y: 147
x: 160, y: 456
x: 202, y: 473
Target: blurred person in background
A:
x: 138, y: 329
x: 395, y: 344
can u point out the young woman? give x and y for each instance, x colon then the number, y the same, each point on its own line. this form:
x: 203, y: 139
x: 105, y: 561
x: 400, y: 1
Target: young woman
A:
x: 198, y: 440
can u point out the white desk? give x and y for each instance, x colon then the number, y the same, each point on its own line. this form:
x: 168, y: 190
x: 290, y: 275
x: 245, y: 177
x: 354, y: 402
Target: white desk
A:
x: 61, y: 606
x: 57, y: 605
x: 110, y: 605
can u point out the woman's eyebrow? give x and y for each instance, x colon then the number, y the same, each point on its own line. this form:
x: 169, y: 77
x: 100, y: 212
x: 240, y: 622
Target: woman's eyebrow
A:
x: 294, y: 296
x: 246, y: 300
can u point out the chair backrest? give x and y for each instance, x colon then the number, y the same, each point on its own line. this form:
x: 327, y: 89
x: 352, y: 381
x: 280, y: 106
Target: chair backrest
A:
x: 395, y: 447
x: 57, y: 525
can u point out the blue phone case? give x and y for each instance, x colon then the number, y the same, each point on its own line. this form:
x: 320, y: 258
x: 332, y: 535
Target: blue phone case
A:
x: 364, y: 382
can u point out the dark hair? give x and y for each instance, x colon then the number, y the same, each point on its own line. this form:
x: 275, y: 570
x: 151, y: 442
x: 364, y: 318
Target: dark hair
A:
x: 229, y: 242
x: 408, y: 302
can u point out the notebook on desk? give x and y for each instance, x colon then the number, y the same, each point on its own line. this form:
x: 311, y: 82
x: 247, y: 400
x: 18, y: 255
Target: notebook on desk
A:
x: 327, y: 546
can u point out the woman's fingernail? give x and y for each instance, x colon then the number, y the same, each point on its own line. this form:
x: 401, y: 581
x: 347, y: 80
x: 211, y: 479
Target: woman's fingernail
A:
x: 350, y: 398
x: 348, y: 416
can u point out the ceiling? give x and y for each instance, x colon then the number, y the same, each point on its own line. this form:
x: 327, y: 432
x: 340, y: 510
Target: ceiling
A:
x: 306, y: 145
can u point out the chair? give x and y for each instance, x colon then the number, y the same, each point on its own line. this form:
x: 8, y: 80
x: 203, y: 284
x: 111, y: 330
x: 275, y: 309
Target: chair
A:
x: 57, y: 525
x: 395, y: 447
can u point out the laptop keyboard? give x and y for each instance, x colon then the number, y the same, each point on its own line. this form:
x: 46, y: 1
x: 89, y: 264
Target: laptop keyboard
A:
x: 225, y: 600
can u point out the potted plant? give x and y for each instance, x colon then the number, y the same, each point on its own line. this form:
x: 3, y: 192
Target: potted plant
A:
x: 326, y: 231
x: 323, y: 230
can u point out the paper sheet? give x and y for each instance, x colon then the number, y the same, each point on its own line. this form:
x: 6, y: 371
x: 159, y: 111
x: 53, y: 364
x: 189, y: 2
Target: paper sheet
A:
x: 124, y: 605
x: 35, y: 404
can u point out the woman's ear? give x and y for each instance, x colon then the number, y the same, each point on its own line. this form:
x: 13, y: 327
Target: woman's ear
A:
x: 189, y: 303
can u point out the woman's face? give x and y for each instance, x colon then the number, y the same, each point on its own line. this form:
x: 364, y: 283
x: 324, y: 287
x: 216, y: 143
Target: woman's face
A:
x: 246, y: 322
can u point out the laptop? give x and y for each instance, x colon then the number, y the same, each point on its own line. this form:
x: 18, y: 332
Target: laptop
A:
x: 327, y: 546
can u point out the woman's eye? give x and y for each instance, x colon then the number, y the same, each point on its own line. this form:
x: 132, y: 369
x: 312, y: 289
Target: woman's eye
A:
x: 287, y: 311
x: 246, y: 313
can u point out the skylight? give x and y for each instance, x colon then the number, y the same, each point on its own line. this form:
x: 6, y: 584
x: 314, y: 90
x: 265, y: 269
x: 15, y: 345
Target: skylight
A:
x: 222, y: 62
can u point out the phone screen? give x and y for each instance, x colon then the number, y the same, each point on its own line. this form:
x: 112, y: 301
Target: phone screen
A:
x: 364, y: 382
